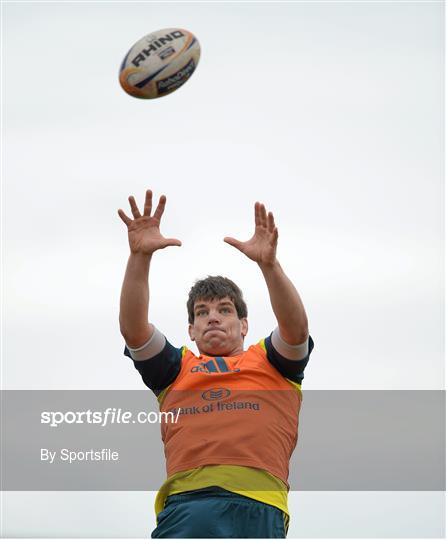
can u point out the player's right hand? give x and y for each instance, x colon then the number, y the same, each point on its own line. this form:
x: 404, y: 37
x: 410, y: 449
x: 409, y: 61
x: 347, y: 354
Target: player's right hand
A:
x: 144, y: 230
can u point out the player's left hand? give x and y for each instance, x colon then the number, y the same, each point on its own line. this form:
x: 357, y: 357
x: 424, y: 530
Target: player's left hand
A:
x: 262, y: 247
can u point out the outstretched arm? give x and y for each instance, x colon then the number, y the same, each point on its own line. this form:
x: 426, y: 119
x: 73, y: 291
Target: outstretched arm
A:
x: 144, y: 239
x: 285, y: 300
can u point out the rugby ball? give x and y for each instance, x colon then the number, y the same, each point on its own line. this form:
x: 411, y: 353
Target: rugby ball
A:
x: 159, y: 63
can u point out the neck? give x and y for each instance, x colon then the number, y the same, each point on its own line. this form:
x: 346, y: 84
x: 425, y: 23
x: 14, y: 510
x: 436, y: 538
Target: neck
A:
x: 236, y: 351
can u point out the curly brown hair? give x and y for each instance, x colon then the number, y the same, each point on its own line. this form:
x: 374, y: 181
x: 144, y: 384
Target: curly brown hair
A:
x: 216, y: 287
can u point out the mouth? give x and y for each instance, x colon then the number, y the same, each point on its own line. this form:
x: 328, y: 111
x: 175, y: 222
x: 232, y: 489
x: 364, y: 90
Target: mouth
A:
x: 214, y: 330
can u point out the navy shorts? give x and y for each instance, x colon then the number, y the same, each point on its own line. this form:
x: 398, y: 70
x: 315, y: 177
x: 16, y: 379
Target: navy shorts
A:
x: 217, y: 513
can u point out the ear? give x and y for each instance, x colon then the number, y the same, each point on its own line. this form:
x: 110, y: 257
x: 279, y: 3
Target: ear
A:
x: 191, y: 332
x: 244, y: 326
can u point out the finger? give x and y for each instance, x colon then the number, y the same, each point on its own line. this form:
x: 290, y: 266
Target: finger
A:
x: 263, y: 219
x: 171, y: 242
x: 148, y: 203
x: 124, y: 218
x: 257, y: 213
x: 233, y: 242
x: 160, y: 208
x: 275, y: 234
x: 271, y: 224
x: 135, y: 211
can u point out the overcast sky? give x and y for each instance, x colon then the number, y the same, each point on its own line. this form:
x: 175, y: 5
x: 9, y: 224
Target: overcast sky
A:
x: 331, y: 113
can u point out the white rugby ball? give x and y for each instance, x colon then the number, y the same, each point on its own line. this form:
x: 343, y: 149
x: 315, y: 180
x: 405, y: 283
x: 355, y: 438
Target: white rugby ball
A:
x: 159, y: 63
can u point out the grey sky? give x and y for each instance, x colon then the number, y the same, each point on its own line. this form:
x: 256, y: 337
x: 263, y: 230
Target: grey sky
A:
x: 330, y: 113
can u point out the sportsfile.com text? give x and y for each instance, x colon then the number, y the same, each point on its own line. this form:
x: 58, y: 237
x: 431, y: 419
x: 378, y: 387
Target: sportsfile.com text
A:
x: 111, y: 415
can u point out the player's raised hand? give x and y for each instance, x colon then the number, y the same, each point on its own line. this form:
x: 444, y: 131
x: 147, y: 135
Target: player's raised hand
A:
x: 262, y: 247
x: 144, y: 230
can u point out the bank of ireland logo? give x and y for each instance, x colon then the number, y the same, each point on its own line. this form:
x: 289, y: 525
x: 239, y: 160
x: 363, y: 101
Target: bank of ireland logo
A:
x: 214, y: 394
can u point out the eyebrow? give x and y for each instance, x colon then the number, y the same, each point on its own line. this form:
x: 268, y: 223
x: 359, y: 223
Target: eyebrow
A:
x: 226, y: 303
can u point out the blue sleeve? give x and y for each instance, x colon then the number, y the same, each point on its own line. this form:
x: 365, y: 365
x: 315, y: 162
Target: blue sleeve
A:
x: 160, y: 370
x: 291, y: 369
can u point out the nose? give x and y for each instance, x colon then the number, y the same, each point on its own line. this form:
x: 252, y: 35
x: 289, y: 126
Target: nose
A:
x: 213, y: 317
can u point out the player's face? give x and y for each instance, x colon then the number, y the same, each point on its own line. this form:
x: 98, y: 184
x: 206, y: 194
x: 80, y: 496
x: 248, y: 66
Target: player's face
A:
x: 217, y: 330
